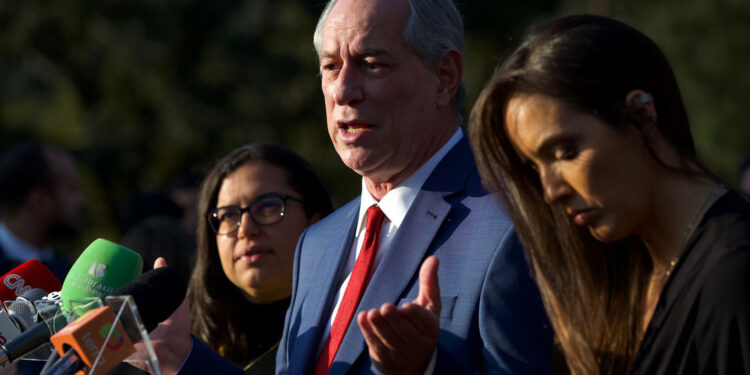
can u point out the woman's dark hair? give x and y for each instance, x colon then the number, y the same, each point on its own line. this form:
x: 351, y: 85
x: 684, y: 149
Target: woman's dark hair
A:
x: 592, y: 291
x: 219, y: 310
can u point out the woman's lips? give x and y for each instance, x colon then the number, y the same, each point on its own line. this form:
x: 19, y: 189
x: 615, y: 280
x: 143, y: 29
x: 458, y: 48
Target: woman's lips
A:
x: 254, y: 255
x: 582, y: 217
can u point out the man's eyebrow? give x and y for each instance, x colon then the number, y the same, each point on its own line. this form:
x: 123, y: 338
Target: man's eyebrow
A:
x: 357, y: 54
x: 328, y: 55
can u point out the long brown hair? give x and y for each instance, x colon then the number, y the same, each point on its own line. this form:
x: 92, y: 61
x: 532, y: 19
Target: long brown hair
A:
x: 592, y: 291
x: 221, y: 316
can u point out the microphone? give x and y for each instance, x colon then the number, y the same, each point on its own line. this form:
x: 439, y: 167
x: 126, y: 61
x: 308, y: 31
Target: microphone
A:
x: 84, y: 337
x: 28, y: 275
x: 19, y: 315
x: 102, y: 267
x: 158, y: 293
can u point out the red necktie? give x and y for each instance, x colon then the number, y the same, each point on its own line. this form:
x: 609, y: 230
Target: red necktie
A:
x: 354, y: 290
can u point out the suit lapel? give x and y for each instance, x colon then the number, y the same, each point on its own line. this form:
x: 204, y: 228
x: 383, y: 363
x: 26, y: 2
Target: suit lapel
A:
x: 324, y: 285
x: 400, y: 265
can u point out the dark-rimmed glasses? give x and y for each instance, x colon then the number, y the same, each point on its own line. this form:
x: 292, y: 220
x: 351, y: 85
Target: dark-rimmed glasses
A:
x: 267, y: 209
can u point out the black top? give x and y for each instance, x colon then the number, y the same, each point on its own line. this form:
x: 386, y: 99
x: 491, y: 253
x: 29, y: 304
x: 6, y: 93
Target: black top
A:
x: 266, y: 332
x: 701, y: 324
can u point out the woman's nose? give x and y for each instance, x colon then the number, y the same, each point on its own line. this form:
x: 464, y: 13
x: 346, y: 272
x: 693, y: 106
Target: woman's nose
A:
x: 554, y: 185
x: 248, y: 226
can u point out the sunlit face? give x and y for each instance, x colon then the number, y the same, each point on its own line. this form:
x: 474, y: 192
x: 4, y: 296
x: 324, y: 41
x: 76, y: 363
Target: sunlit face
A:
x: 380, y: 97
x: 258, y: 259
x: 598, y: 173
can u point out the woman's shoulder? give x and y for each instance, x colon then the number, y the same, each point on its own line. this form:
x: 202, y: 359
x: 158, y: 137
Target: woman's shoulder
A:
x: 729, y: 277
x: 721, y: 250
x: 727, y: 223
x: 726, y: 241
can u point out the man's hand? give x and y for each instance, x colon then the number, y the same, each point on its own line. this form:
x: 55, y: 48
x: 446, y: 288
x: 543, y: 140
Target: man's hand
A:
x: 403, y: 340
x: 171, y: 338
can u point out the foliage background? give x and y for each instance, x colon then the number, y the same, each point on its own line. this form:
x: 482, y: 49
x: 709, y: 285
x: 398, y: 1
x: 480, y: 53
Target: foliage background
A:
x: 142, y: 90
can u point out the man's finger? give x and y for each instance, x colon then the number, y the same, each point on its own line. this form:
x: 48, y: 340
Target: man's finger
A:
x: 374, y: 344
x: 421, y: 319
x: 429, y: 287
x: 383, y: 329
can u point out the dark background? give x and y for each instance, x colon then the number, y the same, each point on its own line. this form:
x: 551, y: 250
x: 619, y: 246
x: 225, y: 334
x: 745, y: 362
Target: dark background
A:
x: 143, y: 90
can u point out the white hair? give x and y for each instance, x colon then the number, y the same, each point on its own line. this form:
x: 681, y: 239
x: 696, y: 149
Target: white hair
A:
x: 434, y: 27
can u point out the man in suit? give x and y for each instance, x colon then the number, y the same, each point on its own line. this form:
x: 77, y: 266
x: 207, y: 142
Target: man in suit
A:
x: 391, y: 77
x: 40, y: 201
x: 447, y: 289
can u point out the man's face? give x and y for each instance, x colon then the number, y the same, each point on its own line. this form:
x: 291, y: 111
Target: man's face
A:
x: 380, y: 96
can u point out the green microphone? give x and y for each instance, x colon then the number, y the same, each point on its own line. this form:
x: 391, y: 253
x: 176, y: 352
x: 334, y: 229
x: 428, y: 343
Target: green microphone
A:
x: 103, y: 267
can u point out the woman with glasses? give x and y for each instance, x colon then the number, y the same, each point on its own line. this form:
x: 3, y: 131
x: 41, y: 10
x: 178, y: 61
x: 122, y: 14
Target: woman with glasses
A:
x: 253, y: 207
x: 641, y: 254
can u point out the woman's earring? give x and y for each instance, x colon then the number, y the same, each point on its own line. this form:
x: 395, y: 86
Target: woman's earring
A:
x: 642, y: 101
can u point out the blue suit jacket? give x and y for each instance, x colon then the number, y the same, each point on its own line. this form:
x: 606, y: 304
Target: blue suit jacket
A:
x: 492, y: 319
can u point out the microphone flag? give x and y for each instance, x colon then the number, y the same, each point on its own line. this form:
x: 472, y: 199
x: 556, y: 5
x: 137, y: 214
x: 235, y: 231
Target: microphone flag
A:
x: 99, y: 341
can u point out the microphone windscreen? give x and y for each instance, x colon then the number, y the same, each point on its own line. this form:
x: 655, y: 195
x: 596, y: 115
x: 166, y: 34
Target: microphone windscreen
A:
x: 30, y: 274
x: 23, y: 309
x: 157, y: 294
x: 103, y: 267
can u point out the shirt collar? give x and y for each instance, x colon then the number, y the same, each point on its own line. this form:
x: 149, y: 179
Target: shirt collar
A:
x: 18, y: 249
x: 395, y: 204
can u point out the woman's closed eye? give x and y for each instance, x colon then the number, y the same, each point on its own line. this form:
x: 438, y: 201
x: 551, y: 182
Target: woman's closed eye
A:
x: 565, y: 151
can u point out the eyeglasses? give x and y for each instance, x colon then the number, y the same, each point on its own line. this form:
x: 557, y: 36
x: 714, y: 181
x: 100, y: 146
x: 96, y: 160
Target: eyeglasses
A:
x: 268, y: 209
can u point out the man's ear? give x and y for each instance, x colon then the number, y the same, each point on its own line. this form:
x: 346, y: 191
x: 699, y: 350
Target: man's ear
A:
x: 640, y: 101
x: 449, y: 70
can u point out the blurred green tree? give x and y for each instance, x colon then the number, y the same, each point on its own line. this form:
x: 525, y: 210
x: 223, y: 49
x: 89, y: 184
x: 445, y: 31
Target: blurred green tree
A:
x: 708, y: 43
x: 143, y: 90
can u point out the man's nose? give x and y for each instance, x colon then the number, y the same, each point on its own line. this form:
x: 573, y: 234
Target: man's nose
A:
x: 347, y: 89
x: 554, y: 185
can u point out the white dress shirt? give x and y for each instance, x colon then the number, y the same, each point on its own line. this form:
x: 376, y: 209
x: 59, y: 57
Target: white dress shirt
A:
x: 19, y: 250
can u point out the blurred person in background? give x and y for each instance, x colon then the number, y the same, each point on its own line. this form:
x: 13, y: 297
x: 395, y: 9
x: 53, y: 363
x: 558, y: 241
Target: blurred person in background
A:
x: 184, y: 190
x: 253, y: 207
x: 40, y: 201
x: 144, y: 205
x: 641, y: 254
x: 745, y: 174
x: 162, y: 236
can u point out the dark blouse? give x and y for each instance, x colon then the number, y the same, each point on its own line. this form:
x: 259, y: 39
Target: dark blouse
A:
x: 267, y: 330
x: 701, y: 324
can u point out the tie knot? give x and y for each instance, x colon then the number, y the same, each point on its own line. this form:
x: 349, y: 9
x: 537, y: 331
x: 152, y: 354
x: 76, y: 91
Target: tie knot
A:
x: 374, y: 219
